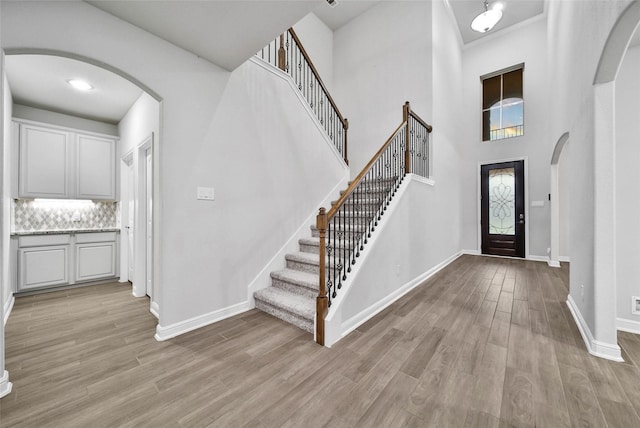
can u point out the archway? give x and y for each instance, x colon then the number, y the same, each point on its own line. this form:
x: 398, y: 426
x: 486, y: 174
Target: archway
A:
x: 4, y: 231
x: 556, y: 201
x: 604, y: 341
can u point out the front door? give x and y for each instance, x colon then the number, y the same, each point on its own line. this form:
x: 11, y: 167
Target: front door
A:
x: 503, y: 219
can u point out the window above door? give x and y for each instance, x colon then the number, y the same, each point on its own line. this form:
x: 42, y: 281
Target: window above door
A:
x: 503, y: 104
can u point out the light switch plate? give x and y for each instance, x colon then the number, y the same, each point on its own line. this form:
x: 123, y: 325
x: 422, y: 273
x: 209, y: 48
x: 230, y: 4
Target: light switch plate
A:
x: 206, y: 193
x: 537, y: 203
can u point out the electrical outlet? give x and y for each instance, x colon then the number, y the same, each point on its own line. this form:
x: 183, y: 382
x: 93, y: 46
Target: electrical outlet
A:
x: 582, y: 292
x: 635, y: 305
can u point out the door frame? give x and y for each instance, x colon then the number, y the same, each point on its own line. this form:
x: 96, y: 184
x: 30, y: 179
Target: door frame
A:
x: 126, y: 186
x: 479, y: 202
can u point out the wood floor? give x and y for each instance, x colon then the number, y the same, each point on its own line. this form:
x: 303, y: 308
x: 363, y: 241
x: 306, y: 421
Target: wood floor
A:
x: 487, y: 342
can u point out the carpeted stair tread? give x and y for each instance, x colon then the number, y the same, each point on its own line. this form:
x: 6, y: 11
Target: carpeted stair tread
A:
x: 297, y: 304
x: 298, y: 277
x: 307, y: 258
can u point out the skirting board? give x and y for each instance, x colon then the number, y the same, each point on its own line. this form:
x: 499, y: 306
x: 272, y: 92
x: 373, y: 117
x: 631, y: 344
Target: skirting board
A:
x: 365, y: 315
x: 630, y: 326
x: 154, y: 308
x: 596, y: 348
x: 8, y: 307
x: 171, y: 331
x: 5, y: 385
x: 553, y: 263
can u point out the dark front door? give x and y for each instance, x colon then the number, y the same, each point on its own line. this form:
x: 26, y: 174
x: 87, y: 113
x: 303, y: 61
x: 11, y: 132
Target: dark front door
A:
x: 503, y: 208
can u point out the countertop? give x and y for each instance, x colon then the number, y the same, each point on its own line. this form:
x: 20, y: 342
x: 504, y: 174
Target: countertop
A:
x: 62, y: 231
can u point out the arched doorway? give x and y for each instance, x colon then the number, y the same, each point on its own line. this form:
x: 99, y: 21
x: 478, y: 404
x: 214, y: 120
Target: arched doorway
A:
x: 559, y: 204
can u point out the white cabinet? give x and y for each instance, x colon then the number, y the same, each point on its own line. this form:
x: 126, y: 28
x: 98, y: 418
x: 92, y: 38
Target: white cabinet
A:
x: 43, y: 261
x: 57, y: 260
x: 95, y: 171
x: 45, y: 156
x: 63, y: 163
x: 95, y: 256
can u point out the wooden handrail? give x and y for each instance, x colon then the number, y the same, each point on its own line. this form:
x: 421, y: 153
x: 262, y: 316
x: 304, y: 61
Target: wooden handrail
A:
x: 334, y: 209
x: 338, y: 258
x: 345, y: 124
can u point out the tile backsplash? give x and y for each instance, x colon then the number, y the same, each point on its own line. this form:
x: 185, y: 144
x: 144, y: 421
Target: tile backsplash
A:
x: 33, y: 215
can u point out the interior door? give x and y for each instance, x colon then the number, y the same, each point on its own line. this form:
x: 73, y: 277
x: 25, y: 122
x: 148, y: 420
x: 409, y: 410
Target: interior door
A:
x: 503, y: 216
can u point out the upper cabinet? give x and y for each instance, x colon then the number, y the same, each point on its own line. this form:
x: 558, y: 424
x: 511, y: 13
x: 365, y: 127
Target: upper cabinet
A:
x: 95, y: 167
x: 45, y: 156
x: 63, y: 163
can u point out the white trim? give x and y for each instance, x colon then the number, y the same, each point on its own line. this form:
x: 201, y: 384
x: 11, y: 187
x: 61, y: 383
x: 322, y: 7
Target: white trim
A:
x: 596, y: 348
x: 173, y: 330
x: 420, y: 179
x: 565, y: 259
x: 65, y: 128
x: 277, y: 262
x: 8, y: 306
x: 534, y: 258
x: 5, y: 385
x: 277, y: 72
x: 472, y: 252
x: 630, y: 326
x: 553, y: 263
x: 368, y: 313
x: 154, y: 308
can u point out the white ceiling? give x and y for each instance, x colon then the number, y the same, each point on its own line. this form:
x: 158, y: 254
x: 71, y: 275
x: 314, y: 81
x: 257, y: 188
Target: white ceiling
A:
x: 224, y: 32
x: 514, y: 11
x: 343, y: 12
x: 41, y: 81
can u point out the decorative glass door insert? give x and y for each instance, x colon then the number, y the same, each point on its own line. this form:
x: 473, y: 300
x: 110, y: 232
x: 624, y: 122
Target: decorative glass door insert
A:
x: 502, y: 219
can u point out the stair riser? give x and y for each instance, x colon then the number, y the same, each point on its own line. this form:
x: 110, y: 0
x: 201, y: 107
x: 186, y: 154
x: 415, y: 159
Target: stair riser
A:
x: 305, y: 267
x: 294, y: 288
x: 302, y: 323
x: 315, y: 249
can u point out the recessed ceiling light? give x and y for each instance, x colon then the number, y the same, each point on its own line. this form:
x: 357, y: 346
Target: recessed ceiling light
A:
x: 80, y: 84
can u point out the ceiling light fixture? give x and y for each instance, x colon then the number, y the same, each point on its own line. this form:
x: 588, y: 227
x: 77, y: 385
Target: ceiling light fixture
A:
x: 81, y: 85
x: 487, y: 19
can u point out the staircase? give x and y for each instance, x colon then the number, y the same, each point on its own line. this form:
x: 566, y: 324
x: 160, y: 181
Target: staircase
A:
x: 293, y: 291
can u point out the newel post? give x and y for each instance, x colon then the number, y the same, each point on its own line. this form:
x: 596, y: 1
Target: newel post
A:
x: 321, y: 301
x: 282, y: 55
x: 406, y: 110
x: 345, y: 125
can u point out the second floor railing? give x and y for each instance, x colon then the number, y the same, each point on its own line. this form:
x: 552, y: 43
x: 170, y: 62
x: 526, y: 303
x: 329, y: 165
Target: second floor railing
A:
x: 288, y: 54
x: 345, y: 229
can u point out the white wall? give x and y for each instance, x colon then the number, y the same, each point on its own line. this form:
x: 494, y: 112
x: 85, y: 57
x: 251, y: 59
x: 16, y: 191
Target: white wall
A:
x: 627, y: 179
x: 317, y: 40
x: 413, y: 228
x: 5, y: 216
x: 382, y: 58
x: 5, y: 385
x: 577, y: 32
x: 60, y: 119
x: 564, y: 201
x: 526, y: 44
x: 266, y: 182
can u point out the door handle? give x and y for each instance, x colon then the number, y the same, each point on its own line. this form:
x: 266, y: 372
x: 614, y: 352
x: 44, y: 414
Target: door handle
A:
x: 521, y: 219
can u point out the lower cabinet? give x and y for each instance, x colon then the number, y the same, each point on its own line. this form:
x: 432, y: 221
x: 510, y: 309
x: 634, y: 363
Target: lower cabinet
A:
x: 56, y: 260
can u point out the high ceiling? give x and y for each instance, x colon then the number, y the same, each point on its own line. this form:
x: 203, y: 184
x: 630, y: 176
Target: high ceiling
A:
x: 224, y: 32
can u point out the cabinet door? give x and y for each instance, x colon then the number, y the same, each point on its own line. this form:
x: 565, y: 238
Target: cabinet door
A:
x: 95, y: 261
x: 43, y: 267
x: 95, y: 168
x: 44, y: 163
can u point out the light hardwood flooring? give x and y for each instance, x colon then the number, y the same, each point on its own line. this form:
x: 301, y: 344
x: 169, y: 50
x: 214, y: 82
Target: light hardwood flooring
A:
x: 486, y: 342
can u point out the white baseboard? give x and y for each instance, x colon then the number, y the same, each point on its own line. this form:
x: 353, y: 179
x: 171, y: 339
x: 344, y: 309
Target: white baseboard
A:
x: 170, y: 331
x: 630, y: 326
x: 470, y: 252
x: 8, y: 307
x: 553, y: 263
x: 609, y: 351
x: 356, y: 321
x: 565, y: 259
x: 5, y: 385
x: 535, y: 258
x: 154, y: 308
